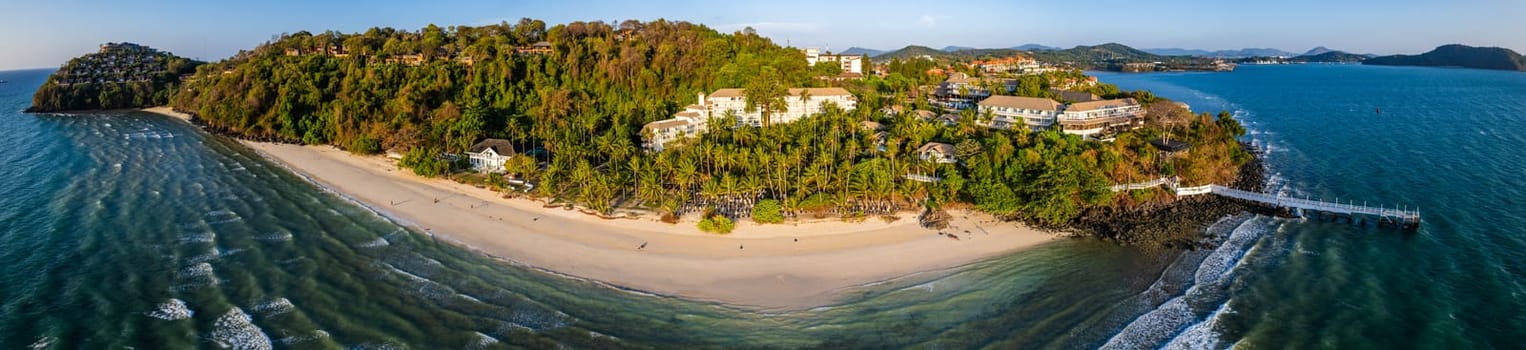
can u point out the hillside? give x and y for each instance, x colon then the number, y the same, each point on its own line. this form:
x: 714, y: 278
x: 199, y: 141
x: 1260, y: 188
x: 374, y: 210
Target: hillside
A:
x: 1458, y: 56
x: 1110, y: 52
x: 912, y: 51
x: 119, y: 75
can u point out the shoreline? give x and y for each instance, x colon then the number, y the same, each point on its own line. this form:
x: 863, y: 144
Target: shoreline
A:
x: 779, y: 267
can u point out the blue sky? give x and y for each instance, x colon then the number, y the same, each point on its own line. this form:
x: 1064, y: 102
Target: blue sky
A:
x: 44, y: 33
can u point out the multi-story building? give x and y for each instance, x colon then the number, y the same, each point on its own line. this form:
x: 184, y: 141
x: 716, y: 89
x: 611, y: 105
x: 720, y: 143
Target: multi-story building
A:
x: 799, y: 103
x: 1095, y: 117
x: 850, y: 63
x: 695, y: 118
x: 1013, y: 111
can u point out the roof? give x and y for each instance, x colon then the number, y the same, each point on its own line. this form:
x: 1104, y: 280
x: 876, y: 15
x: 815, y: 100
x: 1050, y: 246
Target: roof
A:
x: 1021, y: 102
x: 925, y: 114
x: 666, y: 123
x: 541, y: 44
x: 499, y: 146
x: 1077, y: 96
x: 817, y: 92
x: 1170, y: 146
x: 943, y: 148
x: 1094, y: 105
x: 871, y: 125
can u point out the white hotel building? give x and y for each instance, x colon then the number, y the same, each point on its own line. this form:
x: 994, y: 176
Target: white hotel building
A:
x: 692, y: 121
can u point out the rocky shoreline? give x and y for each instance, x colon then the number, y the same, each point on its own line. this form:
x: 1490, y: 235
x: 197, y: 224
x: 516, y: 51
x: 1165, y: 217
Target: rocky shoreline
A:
x: 1178, y: 224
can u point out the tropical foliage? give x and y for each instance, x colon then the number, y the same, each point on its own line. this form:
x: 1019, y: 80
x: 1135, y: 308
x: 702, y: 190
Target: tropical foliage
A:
x: 577, y: 111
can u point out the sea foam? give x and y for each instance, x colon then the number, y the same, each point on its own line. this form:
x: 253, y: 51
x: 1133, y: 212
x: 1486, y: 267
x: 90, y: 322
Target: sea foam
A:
x: 174, y: 309
x: 236, y: 330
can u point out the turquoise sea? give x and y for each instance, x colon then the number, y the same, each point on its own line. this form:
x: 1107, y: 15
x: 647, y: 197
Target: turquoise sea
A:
x: 129, y: 230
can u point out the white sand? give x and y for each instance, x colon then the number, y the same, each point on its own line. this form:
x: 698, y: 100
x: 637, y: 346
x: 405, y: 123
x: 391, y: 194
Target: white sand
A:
x: 760, y: 266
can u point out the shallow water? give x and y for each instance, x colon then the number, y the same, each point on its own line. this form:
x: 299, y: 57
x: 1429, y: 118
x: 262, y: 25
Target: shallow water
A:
x: 139, y: 230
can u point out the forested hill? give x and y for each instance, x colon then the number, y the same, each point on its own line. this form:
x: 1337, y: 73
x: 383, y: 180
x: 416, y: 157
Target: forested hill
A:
x: 388, y: 88
x: 575, y: 96
x: 120, y: 75
x: 1458, y: 56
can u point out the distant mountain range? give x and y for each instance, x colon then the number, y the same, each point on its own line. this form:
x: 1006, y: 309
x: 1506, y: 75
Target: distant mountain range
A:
x: 1455, y: 55
x: 861, y: 51
x: 1034, y: 47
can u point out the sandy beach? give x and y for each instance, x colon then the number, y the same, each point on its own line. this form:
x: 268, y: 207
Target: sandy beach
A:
x: 772, y: 267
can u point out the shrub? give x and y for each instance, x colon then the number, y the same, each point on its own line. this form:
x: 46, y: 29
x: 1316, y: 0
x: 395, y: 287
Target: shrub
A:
x: 716, y: 224
x: 768, y: 211
x: 424, y: 162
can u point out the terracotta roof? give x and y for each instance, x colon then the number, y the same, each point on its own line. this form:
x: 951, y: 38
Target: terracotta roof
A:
x: 499, y: 146
x: 1042, y: 104
x: 1093, y: 105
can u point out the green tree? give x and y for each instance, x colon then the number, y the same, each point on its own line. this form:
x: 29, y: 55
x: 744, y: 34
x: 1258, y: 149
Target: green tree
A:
x: 768, y: 211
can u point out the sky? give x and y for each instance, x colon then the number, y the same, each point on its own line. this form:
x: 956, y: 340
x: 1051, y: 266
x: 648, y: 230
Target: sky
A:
x: 45, y: 33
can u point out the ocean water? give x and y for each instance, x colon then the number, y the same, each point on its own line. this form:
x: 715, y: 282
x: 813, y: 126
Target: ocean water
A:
x: 134, y: 230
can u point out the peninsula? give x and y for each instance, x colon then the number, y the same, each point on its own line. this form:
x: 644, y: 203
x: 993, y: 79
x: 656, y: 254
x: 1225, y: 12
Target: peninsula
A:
x: 672, y: 158
x: 1458, y: 56
x: 120, y: 75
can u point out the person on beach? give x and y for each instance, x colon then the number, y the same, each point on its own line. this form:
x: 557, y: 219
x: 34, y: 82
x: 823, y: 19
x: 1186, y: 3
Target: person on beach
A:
x: 643, y: 246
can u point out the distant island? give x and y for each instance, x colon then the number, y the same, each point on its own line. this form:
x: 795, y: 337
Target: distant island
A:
x: 1458, y: 56
x: 119, y: 75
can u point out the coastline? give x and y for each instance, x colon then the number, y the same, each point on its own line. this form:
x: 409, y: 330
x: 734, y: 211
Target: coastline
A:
x: 770, y: 267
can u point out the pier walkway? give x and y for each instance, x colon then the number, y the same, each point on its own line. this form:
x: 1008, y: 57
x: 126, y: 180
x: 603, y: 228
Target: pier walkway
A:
x: 1404, y: 218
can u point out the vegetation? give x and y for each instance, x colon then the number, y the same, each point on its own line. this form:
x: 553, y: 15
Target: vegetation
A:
x: 1458, y: 56
x: 716, y: 223
x: 121, y: 75
x: 579, y: 109
x: 768, y: 211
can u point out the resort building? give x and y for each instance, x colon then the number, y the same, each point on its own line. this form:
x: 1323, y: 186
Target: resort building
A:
x: 687, y: 123
x: 490, y: 155
x: 694, y: 118
x: 539, y: 48
x: 1012, y: 111
x: 799, y: 103
x: 961, y: 91
x: 937, y: 152
x: 1096, y: 117
x: 852, y: 64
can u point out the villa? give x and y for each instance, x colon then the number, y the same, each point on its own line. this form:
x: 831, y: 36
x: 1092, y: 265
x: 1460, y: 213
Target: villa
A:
x: 1012, y: 111
x: 490, y: 155
x: 1096, y: 117
x: 937, y: 152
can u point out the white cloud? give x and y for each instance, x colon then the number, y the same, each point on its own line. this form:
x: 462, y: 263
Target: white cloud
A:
x: 930, y: 20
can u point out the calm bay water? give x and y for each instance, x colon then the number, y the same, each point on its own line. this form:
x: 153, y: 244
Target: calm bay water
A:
x: 139, y: 230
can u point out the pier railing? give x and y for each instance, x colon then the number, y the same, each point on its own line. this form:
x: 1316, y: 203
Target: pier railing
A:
x: 1403, y: 217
